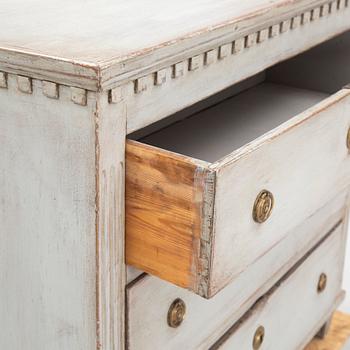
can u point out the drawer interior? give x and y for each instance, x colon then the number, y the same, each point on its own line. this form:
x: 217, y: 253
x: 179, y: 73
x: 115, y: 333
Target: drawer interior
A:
x: 260, y: 105
x: 217, y: 131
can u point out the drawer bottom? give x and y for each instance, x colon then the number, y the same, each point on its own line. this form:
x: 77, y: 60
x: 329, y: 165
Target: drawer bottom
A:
x: 293, y: 311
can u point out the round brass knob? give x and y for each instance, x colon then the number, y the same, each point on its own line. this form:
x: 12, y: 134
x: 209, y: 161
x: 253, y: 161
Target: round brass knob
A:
x: 176, y: 313
x: 348, y: 139
x: 263, y: 206
x: 322, y: 283
x: 258, y: 337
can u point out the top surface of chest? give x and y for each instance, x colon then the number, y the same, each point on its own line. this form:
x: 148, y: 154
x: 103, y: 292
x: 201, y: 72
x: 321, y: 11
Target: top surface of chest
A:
x: 101, y: 45
x: 96, y: 33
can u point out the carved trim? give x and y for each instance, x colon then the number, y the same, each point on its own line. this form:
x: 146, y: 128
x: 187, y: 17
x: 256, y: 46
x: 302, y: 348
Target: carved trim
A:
x: 3, y: 80
x: 24, y: 84
x: 210, y: 57
x: 197, y: 63
x: 79, y: 96
x: 50, y: 89
x: 28, y: 85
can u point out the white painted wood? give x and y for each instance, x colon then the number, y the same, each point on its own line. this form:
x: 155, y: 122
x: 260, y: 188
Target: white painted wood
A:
x: 110, y: 154
x: 24, y: 84
x: 132, y: 273
x: 223, y: 128
x: 79, y: 96
x: 62, y: 217
x: 292, y: 311
x: 345, y: 307
x: 3, y: 80
x: 47, y: 215
x: 159, y: 102
x: 195, y: 63
x: 200, y: 106
x: 305, y: 155
x: 324, y: 68
x: 50, y: 89
x: 302, y: 163
x: 116, y: 40
x: 62, y: 173
x: 149, y: 298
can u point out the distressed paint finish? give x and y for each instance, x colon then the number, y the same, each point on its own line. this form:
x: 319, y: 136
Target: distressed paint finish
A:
x: 110, y: 150
x: 155, y: 104
x: 47, y: 214
x: 231, y: 240
x: 295, y: 149
x: 70, y: 256
x: 207, y: 320
x: 62, y: 251
x: 295, y: 295
x: 90, y: 57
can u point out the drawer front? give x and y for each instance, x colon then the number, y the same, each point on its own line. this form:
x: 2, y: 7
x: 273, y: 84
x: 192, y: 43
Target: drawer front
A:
x: 149, y: 298
x: 291, y: 314
x: 199, y: 225
x: 302, y: 164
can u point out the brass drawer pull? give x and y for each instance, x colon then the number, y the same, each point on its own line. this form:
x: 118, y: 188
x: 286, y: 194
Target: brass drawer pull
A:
x: 263, y: 206
x: 176, y: 313
x: 348, y: 139
x: 258, y: 337
x: 322, y: 283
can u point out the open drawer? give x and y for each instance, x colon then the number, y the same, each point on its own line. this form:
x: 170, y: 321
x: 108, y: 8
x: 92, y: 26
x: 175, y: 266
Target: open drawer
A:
x: 208, y: 196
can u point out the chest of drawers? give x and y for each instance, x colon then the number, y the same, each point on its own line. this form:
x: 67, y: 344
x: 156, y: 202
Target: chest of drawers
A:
x: 172, y: 174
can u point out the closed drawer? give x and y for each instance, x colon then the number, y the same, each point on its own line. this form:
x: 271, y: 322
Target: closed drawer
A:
x: 206, y: 320
x: 269, y: 158
x: 291, y: 314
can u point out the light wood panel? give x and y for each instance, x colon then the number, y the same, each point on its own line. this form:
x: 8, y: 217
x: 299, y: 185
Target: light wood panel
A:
x: 338, y: 335
x: 165, y: 196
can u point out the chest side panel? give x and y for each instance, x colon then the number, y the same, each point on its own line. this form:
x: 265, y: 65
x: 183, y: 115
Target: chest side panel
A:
x: 47, y: 215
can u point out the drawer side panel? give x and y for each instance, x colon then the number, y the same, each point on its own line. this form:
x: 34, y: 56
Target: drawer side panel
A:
x: 167, y: 196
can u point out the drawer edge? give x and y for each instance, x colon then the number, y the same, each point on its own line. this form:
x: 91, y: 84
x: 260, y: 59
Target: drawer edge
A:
x: 161, y: 185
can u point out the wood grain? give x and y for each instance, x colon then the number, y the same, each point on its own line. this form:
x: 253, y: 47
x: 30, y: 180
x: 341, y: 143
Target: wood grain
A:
x: 338, y: 335
x: 164, y: 213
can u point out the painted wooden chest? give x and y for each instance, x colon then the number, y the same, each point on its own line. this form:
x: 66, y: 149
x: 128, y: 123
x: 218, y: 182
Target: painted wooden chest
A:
x: 172, y: 174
